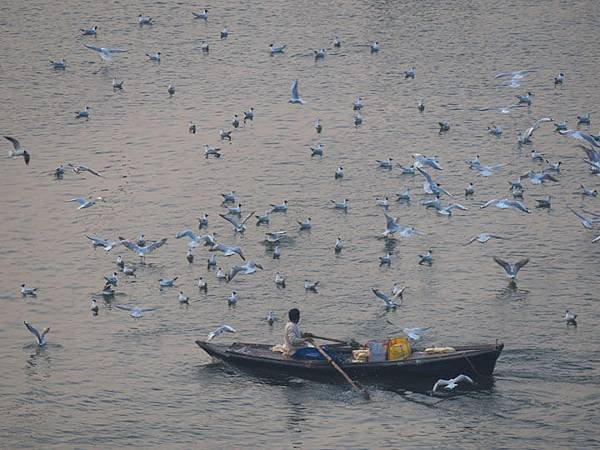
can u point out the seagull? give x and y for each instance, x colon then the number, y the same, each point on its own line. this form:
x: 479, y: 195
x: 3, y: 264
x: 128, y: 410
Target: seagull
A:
x: 342, y: 205
x: 120, y: 263
x: 536, y: 156
x: 219, y: 331
x: 211, y: 261
x: 319, y: 54
x: 469, y: 190
x: 586, y: 222
x: 358, y: 104
x: 275, y: 236
x: 336, y: 42
x: 263, y: 219
x: 105, y: 53
x: 505, y: 203
x: 396, y: 290
x: 167, y: 282
x: 310, y: 285
x: 392, y: 227
x: 153, y: 56
x: 553, y: 166
x: 17, y: 150
x: 78, y: 169
x: 142, y: 251
x: 426, y: 258
x: 94, y: 307
x: 279, y: 280
x: 295, y: 95
x: 538, y: 177
x: 414, y: 334
x: 410, y: 73
x: 183, y: 299
x: 422, y: 161
x: 232, y: 300
x: 84, y: 114
x: 235, y: 210
x: 405, y: 196
x: 570, y: 318
x: 247, y: 269
x: 447, y: 211
x: 385, y: 163
x: 277, y: 48
x: 220, y: 275
x: 511, y: 269
x: 277, y: 252
x: 306, y: 225
x: 59, y: 172
x: 383, y: 202
x: 526, y: 99
x: 211, y: 151
x: 358, y: 120
x: 144, y: 20
x: 407, y: 170
x: 85, y: 203
x: 203, y: 221
x: 339, y: 173
x: 224, y: 32
x: 317, y: 151
x: 588, y: 192
x: 339, y: 245
x: 385, y: 260
x: 495, y: 130
x: 545, y: 202
x: 89, y: 31
x: 201, y: 15
x: 421, y: 105
x: 108, y: 291
x: 451, y: 384
x: 249, y: 115
x: 584, y: 120
x: 227, y: 250
x: 389, y: 301
x: 117, y: 84
x: 229, y: 197
x: 235, y: 122
x: 25, y: 291
x: 202, y: 286
x: 171, y: 90
x: 189, y: 256
x: 41, y: 338
x: 581, y: 136
x: 238, y: 227
x: 271, y: 317
x: 430, y: 186
x: 444, y: 126
x: 318, y: 126
x: 208, y: 239
x: 112, y: 279
x: 135, y: 311
x: 59, y: 64
x: 559, y: 79
x: 562, y: 126
x: 374, y: 47
x: 484, y: 237
x: 205, y: 47
x: 225, y: 135
x: 127, y: 270
x: 282, y: 207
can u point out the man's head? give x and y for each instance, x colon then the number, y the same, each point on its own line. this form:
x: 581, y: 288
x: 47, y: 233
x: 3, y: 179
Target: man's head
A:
x: 294, y: 315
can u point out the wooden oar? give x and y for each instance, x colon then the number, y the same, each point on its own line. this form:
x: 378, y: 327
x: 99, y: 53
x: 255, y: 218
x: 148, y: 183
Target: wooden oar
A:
x: 335, y: 365
x: 352, y: 343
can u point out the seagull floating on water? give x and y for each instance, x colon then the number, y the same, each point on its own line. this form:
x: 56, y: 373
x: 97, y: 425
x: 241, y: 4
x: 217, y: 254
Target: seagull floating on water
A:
x: 84, y: 114
x: 511, y: 269
x: 295, y: 94
x: 201, y: 15
x: 570, y: 318
x: 426, y: 258
x: 279, y: 279
x: 25, y: 291
x: 89, y: 31
x: 40, y: 337
x: 310, y: 285
x: 343, y: 205
x: 59, y: 64
x: 277, y: 48
x: 144, y: 20
x: 135, y: 311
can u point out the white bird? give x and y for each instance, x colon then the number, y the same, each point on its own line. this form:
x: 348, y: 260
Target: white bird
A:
x: 451, y: 384
x: 426, y: 258
x: 383, y: 202
x: 421, y: 105
x: 117, y: 84
x: 339, y: 245
x: 263, y: 219
x: 238, y: 226
x: 275, y: 236
x: 469, y: 190
x: 295, y: 94
x: 60, y: 64
x: 127, y: 270
x: 108, y: 290
x: 585, y: 221
x: 447, y: 211
x: 505, y: 203
x: 339, y: 173
x: 389, y: 301
x: 385, y: 163
x: 397, y: 290
x: 28, y: 291
x: 570, y: 318
x: 17, y: 150
x: 311, y: 285
x: 202, y: 285
x: 235, y: 122
x: 414, y: 334
x: 79, y: 168
x: 559, y: 79
x: 105, y: 53
x: 195, y: 240
x: 89, y: 31
x: 319, y: 54
x: 318, y: 126
x: 205, y: 47
x: 85, y: 203
x: 229, y: 197
x: 553, y: 166
x: 336, y: 42
x: 282, y: 207
x: 561, y: 126
x: 135, y: 311
x: 358, y: 119
x: 112, y: 279
x: 228, y: 250
x: 495, y: 130
x: 247, y: 269
x: 189, y: 256
x: 171, y: 90
x: 431, y: 187
x: 538, y: 177
x: 316, y: 151
x: 588, y: 192
x: 341, y: 205
x: 306, y: 225
x: 392, y: 226
x: 584, y: 120
x: 224, y: 32
x: 271, y: 318
x: 545, y: 202
x: 374, y: 47
x: 233, y: 298
x: 385, y: 260
x: 211, y: 261
x: 211, y: 151
x: 201, y: 15
x: 219, y: 331
x: 225, y: 135
x: 249, y: 115
x: 358, y: 104
x: 59, y: 172
x: 83, y: 114
x: 277, y: 48
x: 423, y: 161
x: 203, y: 221
x: 120, y: 263
x: 279, y: 279
x: 41, y: 338
x: 527, y: 98
x: 444, y: 126
x: 183, y: 299
x: 220, y: 275
x: 405, y: 196
x: 167, y: 282
x: 484, y: 237
x: 144, y: 20
x: 511, y: 269
x: 581, y: 136
x: 94, y: 307
x: 277, y: 252
x: 410, y: 73
x: 142, y: 251
x: 153, y: 56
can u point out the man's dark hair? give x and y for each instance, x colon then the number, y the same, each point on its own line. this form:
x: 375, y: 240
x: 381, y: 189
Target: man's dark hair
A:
x: 294, y: 315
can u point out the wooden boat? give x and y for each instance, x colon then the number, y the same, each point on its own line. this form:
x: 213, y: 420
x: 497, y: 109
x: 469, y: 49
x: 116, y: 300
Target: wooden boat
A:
x: 477, y: 361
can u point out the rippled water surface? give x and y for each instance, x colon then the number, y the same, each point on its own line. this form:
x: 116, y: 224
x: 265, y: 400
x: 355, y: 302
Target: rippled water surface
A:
x: 111, y: 381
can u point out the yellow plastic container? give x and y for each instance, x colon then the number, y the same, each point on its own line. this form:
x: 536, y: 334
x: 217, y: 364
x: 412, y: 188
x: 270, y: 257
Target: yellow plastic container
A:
x: 399, y: 348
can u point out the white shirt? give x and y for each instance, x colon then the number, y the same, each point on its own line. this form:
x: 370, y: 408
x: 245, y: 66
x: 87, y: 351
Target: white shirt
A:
x: 293, y: 338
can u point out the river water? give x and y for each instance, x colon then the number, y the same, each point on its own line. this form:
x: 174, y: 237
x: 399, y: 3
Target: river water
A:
x: 110, y: 381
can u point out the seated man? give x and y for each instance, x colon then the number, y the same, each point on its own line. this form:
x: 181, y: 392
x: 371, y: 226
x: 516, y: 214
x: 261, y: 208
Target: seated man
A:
x: 294, y: 338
